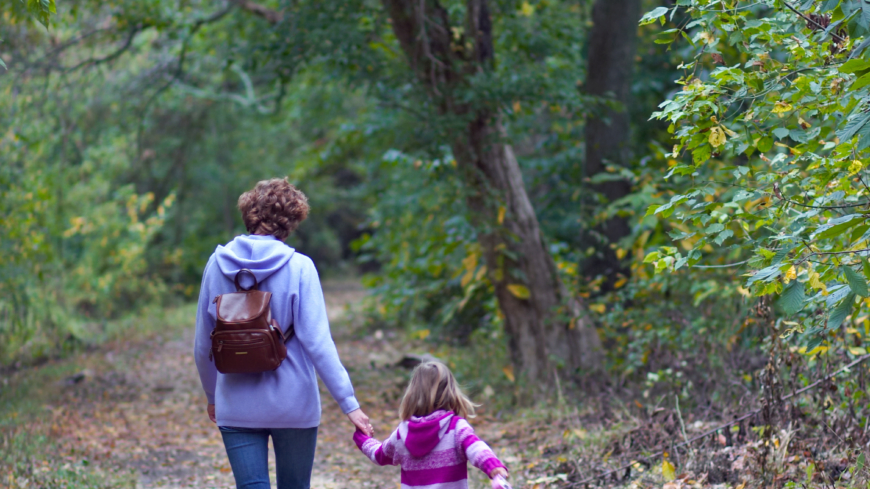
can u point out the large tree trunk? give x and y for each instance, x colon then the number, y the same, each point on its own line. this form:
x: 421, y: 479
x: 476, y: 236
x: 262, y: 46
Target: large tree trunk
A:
x: 547, y: 324
x: 610, y: 65
x: 541, y: 320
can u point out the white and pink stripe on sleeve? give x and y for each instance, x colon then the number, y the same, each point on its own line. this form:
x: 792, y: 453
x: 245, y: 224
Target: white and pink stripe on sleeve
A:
x: 477, y: 451
x: 379, y: 453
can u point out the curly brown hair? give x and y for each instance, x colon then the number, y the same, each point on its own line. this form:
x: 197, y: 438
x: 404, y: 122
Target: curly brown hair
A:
x: 273, y: 207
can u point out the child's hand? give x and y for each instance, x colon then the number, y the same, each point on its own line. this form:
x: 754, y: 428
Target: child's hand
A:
x: 498, y: 479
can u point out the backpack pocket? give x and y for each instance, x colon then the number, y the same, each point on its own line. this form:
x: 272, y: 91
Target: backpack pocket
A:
x: 246, y: 351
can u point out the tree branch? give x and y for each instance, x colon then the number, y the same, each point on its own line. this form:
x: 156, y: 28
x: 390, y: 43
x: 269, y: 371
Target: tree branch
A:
x: 271, y: 16
x: 811, y: 21
x: 105, y: 59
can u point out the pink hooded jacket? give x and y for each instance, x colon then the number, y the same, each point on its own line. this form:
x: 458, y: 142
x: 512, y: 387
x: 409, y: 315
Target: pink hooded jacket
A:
x: 432, y: 451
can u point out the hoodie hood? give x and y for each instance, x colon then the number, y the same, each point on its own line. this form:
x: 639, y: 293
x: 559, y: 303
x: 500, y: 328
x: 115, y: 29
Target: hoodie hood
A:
x: 422, y: 434
x: 263, y: 255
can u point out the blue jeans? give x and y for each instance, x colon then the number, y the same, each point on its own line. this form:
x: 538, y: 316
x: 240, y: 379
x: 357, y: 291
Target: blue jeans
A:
x: 248, y: 451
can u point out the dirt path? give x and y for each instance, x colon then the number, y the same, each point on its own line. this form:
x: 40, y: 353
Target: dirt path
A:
x: 137, y: 413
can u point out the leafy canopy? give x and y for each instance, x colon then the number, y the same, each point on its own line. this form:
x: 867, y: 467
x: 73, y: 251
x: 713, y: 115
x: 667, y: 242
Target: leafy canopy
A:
x: 772, y: 129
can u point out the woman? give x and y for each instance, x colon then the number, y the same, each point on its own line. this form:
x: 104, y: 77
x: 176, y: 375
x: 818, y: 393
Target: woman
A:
x: 285, y: 403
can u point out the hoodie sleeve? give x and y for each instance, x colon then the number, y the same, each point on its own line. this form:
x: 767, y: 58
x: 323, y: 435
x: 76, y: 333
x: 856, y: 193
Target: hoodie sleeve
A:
x: 379, y: 453
x: 477, y: 451
x: 205, y: 323
x: 312, y: 329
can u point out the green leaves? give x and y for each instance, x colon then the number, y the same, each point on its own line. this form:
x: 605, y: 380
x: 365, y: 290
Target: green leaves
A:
x: 792, y: 298
x: 837, y: 227
x: 855, y: 124
x: 654, y: 15
x: 864, y: 19
x: 42, y: 10
x: 843, y: 309
x: 788, y: 169
x: 856, y: 282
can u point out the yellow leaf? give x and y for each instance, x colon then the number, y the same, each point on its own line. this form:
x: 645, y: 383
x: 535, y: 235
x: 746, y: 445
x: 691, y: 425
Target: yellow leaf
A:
x: 717, y: 137
x: 856, y: 350
x: 501, y: 211
x: 790, y: 275
x: 527, y: 9
x: 509, y: 372
x: 467, y: 278
x: 668, y: 470
x: 818, y: 349
x: 422, y: 334
x: 817, y: 284
x: 855, y: 167
x: 470, y: 262
x: 781, y: 108
x: 519, y: 291
x: 620, y: 253
x: 480, y: 273
x: 599, y: 308
x: 619, y: 283
x: 517, y: 107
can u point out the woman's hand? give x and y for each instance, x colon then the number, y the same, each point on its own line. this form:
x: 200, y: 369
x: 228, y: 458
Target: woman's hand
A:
x: 210, y: 410
x: 498, y: 471
x: 361, y: 421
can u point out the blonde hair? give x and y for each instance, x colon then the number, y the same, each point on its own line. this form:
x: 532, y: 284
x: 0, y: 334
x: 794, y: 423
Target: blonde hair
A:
x: 433, y: 387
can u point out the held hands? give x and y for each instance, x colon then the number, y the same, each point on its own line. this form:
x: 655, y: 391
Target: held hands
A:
x: 361, y: 421
x: 499, y: 476
x: 210, y: 410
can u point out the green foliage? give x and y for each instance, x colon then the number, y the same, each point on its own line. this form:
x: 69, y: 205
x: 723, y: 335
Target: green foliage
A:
x: 772, y: 146
x: 22, y: 10
x: 109, y: 177
x: 431, y: 272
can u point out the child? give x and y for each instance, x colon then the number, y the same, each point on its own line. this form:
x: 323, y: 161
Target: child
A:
x: 434, y: 441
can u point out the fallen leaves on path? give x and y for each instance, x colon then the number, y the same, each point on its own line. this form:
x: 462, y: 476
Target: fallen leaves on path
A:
x: 138, y: 408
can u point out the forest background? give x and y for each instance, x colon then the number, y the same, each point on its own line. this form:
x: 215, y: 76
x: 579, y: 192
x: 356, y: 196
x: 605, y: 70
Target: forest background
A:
x: 501, y: 174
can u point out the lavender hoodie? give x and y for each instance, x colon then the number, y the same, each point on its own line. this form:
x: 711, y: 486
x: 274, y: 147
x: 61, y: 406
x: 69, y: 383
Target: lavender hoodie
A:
x: 287, y: 397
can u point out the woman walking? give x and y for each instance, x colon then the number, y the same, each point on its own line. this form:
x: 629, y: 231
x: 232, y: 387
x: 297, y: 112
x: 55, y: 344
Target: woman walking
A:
x: 284, y: 403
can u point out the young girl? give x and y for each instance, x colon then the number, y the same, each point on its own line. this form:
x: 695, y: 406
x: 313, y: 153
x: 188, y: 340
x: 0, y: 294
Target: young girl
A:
x: 434, y: 441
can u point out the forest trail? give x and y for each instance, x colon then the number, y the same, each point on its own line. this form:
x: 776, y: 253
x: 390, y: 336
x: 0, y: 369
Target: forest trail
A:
x: 136, y: 412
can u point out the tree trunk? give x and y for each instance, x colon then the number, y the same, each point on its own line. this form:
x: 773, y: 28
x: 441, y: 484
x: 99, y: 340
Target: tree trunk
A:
x: 610, y: 65
x: 542, y: 322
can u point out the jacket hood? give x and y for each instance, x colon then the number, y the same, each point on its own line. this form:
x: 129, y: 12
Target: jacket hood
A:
x: 422, y: 434
x: 263, y: 255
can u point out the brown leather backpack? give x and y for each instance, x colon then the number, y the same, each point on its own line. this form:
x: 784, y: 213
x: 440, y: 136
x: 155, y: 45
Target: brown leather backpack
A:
x: 247, y: 339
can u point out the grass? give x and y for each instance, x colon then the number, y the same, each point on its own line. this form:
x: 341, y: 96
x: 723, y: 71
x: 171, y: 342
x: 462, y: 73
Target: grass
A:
x: 30, y: 459
x: 29, y: 455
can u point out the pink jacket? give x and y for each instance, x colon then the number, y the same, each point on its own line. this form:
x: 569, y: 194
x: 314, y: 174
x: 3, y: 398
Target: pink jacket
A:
x: 432, y: 451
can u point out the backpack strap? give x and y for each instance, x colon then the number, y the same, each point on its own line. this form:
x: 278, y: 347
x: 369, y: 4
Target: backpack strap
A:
x: 239, y: 287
